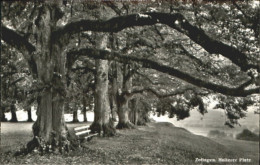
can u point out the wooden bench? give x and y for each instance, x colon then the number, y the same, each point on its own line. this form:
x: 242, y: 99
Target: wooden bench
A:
x: 83, y: 133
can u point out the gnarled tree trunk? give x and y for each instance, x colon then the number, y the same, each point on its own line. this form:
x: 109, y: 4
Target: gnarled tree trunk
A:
x: 123, y: 109
x: 50, y: 132
x: 102, y: 111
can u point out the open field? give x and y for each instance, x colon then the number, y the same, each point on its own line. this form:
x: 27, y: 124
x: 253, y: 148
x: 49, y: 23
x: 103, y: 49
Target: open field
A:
x: 157, y: 143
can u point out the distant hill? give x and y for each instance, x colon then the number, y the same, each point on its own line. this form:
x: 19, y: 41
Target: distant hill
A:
x: 213, y: 120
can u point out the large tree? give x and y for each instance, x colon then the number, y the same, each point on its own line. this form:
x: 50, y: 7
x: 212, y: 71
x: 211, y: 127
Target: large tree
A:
x: 48, y: 27
x: 47, y: 60
x: 102, y: 107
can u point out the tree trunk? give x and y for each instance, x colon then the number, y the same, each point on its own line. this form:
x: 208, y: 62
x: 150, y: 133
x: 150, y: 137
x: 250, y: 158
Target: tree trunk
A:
x: 84, y: 110
x: 13, y: 114
x: 102, y: 109
x: 123, y: 115
x: 114, y: 90
x: 123, y: 109
x: 75, y: 116
x: 134, y: 111
x: 29, y: 113
x: 50, y: 131
x: 3, y: 118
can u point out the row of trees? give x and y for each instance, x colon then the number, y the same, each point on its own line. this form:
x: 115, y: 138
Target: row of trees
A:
x: 127, y: 53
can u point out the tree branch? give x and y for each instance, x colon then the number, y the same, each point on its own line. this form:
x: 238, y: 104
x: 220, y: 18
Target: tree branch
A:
x: 147, y: 63
x: 147, y: 78
x: 160, y: 95
x: 113, y: 6
x: 84, y: 68
x: 240, y: 9
x: 16, y: 40
x: 176, y: 21
x: 22, y: 44
x: 17, y: 80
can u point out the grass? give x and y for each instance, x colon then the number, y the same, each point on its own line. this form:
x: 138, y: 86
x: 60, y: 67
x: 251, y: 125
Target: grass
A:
x: 156, y: 143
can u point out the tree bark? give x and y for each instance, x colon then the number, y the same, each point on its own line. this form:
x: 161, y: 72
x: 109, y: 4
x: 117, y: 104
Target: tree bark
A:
x: 113, y: 100
x: 29, y: 113
x: 133, y: 115
x: 123, y: 109
x: 123, y: 115
x: 13, y: 113
x: 102, y: 111
x: 50, y: 131
x: 113, y: 95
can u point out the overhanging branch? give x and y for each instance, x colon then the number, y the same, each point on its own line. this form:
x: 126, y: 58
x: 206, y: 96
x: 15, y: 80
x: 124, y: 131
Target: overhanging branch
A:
x: 147, y: 63
x: 16, y: 40
x: 21, y: 44
x: 176, y: 21
x: 160, y: 95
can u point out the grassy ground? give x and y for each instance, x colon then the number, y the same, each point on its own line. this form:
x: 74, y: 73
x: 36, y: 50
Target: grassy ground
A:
x: 156, y: 143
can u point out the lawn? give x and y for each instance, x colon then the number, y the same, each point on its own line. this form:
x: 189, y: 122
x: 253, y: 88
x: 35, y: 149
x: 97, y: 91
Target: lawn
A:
x: 156, y: 143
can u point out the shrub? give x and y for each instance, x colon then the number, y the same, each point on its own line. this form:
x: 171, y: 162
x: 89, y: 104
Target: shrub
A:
x: 217, y: 134
x: 247, y: 135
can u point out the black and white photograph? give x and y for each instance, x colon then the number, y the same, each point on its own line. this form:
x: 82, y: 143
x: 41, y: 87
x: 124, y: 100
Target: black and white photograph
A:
x: 130, y: 82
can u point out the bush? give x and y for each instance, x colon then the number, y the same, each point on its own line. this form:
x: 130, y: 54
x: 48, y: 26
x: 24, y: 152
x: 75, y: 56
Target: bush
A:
x: 247, y: 135
x: 217, y: 134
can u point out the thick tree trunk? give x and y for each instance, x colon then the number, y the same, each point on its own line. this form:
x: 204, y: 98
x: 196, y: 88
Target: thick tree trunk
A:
x: 123, y: 115
x: 29, y: 113
x: 113, y: 95
x: 102, y: 111
x: 50, y: 131
x: 49, y: 128
x: 123, y: 109
x: 13, y: 114
x: 50, y: 120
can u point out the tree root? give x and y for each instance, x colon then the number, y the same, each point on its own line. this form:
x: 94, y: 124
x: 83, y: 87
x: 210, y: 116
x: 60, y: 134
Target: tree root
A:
x: 126, y: 125
x: 105, y: 129
x: 60, y: 146
x: 29, y: 120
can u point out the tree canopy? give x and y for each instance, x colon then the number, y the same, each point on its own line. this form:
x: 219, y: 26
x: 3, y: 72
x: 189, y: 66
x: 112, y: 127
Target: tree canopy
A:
x: 182, y: 50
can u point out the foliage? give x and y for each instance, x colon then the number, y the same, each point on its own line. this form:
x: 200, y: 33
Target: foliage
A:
x: 16, y: 81
x: 235, y: 108
x: 181, y: 105
x: 247, y: 135
x: 143, y: 106
x: 217, y: 134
